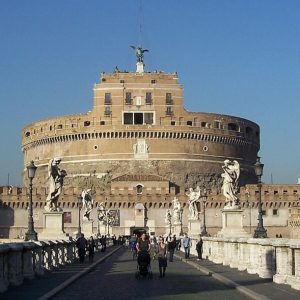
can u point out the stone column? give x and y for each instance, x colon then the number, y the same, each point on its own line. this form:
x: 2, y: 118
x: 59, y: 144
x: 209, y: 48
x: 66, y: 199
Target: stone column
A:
x: 266, y: 267
x: 226, y: 253
x: 48, y: 260
x: 206, y: 247
x: 70, y: 252
x: 293, y: 277
x: 4, y: 280
x: 243, y: 254
x: 281, y: 252
x: 296, y: 280
x: 15, y: 268
x: 39, y: 267
x: 28, y: 260
x: 61, y: 252
x: 55, y: 254
x: 252, y: 267
x: 234, y: 263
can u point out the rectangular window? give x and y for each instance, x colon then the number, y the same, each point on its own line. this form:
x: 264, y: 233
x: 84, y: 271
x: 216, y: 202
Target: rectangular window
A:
x: 169, y: 100
x: 128, y: 118
x: 138, y: 118
x: 107, y: 99
x: 264, y: 213
x: 148, y: 98
x: 218, y: 124
x: 153, y: 81
x: 148, y: 118
x: 107, y: 111
x: 128, y: 98
x: 169, y: 111
x: 275, y: 212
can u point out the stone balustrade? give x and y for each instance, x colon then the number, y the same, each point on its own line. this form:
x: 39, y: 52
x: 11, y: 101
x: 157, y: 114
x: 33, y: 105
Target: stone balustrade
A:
x: 278, y: 259
x: 25, y: 260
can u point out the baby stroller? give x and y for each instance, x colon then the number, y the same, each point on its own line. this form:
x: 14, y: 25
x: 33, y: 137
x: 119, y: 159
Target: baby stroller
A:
x: 143, y: 265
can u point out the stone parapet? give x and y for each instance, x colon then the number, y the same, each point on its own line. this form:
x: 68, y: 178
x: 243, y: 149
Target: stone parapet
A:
x: 278, y: 259
x: 25, y: 260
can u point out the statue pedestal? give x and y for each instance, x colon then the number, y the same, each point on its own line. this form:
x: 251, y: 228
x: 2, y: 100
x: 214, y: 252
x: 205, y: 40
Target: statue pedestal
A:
x: 232, y: 224
x: 176, y: 229
x: 87, y: 228
x: 53, y: 226
x: 194, y: 228
x: 139, y: 67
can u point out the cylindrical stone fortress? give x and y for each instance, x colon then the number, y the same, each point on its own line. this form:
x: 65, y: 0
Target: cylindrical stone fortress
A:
x: 138, y: 125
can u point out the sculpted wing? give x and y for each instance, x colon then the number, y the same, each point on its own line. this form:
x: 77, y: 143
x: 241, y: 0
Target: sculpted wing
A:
x: 237, y: 170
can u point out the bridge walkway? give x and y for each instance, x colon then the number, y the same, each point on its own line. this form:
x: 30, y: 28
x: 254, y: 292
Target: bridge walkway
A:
x: 114, y: 278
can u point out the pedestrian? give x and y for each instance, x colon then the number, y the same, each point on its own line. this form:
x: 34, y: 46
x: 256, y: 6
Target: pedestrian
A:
x: 81, y: 244
x: 114, y: 239
x: 199, y: 248
x: 186, y: 242
x: 162, y: 257
x: 178, y: 244
x: 154, y: 248
x: 103, y: 243
x: 171, y: 248
x: 91, y: 248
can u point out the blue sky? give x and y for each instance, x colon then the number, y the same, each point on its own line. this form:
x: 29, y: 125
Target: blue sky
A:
x: 234, y: 57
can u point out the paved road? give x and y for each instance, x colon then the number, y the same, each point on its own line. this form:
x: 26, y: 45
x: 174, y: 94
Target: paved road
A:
x: 114, y: 279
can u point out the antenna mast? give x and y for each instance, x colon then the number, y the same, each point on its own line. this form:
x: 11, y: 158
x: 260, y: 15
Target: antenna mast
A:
x: 140, y: 22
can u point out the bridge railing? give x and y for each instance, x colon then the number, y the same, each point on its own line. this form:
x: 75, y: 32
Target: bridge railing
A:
x: 25, y: 260
x: 278, y: 258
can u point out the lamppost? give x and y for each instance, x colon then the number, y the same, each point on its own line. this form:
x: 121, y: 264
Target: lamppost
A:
x: 181, y: 220
x: 79, y: 202
x: 169, y: 219
x: 30, y: 234
x: 249, y: 207
x: 204, y: 199
x: 108, y: 224
x: 260, y: 231
x: 98, y: 221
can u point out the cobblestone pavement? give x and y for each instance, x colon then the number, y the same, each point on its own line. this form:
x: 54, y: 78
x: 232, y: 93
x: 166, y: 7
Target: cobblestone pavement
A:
x: 114, y: 279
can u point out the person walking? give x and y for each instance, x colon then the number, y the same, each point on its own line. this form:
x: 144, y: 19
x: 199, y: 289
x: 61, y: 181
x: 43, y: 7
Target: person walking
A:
x: 171, y: 248
x: 162, y: 257
x: 103, y: 243
x: 186, y: 242
x: 91, y: 248
x: 81, y: 244
x: 199, y: 248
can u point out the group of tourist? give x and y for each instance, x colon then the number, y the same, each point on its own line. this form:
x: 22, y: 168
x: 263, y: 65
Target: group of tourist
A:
x: 88, y: 246
x: 163, y: 248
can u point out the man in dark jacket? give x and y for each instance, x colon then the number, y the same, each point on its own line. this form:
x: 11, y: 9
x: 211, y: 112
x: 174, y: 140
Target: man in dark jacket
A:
x: 171, y: 247
x: 199, y: 247
x: 81, y: 244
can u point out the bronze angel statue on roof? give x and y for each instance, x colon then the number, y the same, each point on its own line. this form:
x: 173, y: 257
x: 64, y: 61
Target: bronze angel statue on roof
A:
x: 139, y: 52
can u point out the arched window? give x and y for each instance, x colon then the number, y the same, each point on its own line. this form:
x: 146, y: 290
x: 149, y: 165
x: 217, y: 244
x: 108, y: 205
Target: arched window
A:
x: 139, y: 189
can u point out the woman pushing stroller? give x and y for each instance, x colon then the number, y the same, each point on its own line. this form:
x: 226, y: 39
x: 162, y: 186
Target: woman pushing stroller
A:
x: 143, y: 256
x: 143, y: 245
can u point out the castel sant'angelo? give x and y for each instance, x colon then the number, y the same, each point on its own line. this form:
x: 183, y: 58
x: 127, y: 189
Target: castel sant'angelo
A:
x: 138, y: 126
x: 137, y: 149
